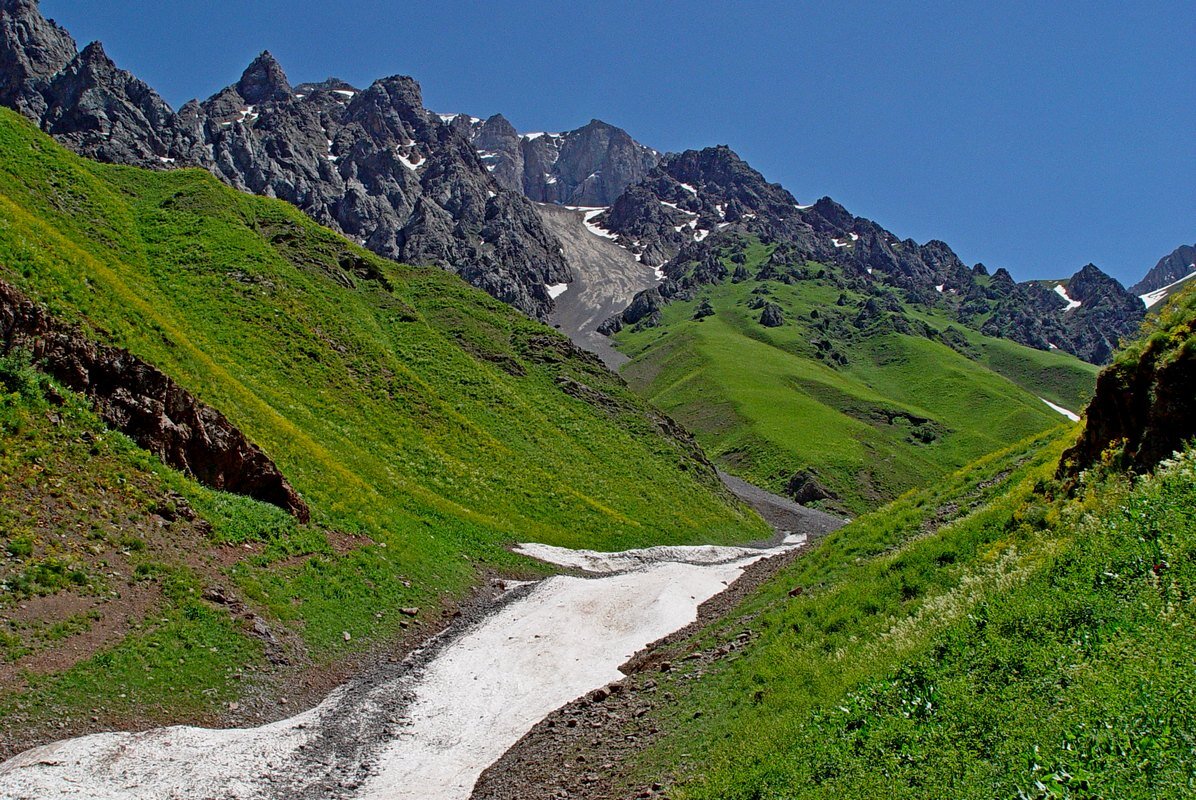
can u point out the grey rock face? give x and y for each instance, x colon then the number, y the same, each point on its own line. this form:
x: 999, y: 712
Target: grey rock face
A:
x: 1035, y: 314
x: 32, y: 49
x: 1180, y: 263
x: 772, y: 316
x: 589, y: 166
x: 373, y: 164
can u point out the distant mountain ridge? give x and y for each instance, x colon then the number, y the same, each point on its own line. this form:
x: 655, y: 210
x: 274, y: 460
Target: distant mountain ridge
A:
x: 1177, y: 264
x: 373, y: 164
x: 684, y: 213
x: 452, y: 190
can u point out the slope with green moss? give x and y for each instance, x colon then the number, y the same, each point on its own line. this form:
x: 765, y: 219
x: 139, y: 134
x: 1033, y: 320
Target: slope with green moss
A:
x: 426, y: 425
x: 868, y: 395
x: 1015, y: 630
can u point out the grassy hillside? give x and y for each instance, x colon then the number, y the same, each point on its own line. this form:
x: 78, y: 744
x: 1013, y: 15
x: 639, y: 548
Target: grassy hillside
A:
x: 984, y: 638
x: 870, y: 395
x: 427, y: 425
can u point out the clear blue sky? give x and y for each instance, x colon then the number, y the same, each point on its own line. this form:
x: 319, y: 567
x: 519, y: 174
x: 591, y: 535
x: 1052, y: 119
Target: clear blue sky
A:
x: 1035, y: 136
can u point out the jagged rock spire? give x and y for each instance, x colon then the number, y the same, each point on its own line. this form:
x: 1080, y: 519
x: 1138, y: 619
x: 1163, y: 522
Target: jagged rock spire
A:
x: 264, y: 80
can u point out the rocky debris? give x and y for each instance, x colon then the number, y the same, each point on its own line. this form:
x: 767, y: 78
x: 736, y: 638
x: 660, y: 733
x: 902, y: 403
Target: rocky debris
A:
x: 1144, y: 406
x: 146, y: 405
x: 373, y: 164
x: 772, y: 316
x: 589, y: 166
x: 1178, y: 264
x: 804, y: 487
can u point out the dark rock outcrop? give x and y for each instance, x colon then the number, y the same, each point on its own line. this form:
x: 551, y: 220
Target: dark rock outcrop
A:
x: 146, y: 405
x: 373, y: 164
x: 772, y: 316
x: 1036, y: 314
x: 1145, y: 403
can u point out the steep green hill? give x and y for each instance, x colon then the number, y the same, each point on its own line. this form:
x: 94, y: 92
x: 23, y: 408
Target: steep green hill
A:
x: 980, y: 639
x: 1020, y: 629
x: 426, y: 425
x: 867, y: 395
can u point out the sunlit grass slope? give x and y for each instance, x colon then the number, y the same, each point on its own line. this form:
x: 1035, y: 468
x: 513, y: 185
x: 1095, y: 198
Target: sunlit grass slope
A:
x: 988, y: 637
x: 871, y: 410
x: 428, y: 423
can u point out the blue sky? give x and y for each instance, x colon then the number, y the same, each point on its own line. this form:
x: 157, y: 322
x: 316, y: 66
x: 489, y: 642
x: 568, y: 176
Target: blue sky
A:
x: 1034, y: 136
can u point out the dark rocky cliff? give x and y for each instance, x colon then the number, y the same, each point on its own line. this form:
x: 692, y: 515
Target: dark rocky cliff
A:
x: 589, y: 166
x: 1179, y: 263
x: 1144, y: 408
x: 146, y: 405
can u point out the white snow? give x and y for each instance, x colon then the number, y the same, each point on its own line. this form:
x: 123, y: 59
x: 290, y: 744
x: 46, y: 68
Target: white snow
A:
x: 1062, y: 292
x: 1153, y: 298
x: 490, y: 193
x: 723, y: 225
x: 589, y: 212
x: 1069, y: 414
x: 722, y: 211
x: 248, y: 114
x: 409, y: 164
x: 343, y: 92
x: 689, y: 189
x: 165, y: 160
x: 533, y: 136
x: 475, y: 698
x: 549, y: 179
x: 869, y: 270
x: 855, y: 237
x: 700, y: 235
x: 447, y: 118
x: 555, y: 290
x: 839, y: 242
x: 939, y: 288
x: 1052, y: 346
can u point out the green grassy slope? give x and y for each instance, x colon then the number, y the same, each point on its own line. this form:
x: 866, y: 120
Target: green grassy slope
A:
x: 420, y: 419
x: 983, y: 638
x: 871, y: 410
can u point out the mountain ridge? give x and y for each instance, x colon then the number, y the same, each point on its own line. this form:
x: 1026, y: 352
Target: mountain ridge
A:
x: 373, y: 164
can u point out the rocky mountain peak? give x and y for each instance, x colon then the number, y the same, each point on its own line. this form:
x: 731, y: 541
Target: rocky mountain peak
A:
x: 264, y: 80
x: 1172, y: 267
x: 496, y: 133
x: 31, y: 47
x: 589, y: 166
x: 1090, y: 283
